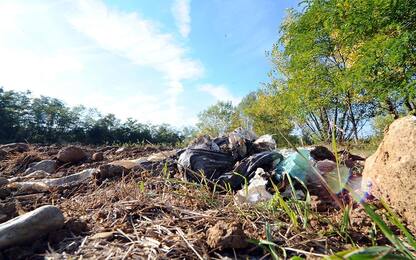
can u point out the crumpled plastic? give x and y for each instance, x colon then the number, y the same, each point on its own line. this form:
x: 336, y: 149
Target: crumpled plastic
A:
x: 255, y: 191
x: 296, y: 165
x: 264, y: 143
x: 198, y: 163
x: 247, y: 167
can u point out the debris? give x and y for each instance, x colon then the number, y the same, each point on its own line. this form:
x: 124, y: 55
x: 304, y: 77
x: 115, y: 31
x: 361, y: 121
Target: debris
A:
x: 71, y: 154
x: 15, y: 147
x: 297, y: 164
x: 157, y: 157
x: 129, y: 164
x: 227, y: 235
x: 240, y: 141
x: 326, y: 166
x: 204, y: 143
x: 96, y: 157
x: 197, y: 163
x: 30, y: 226
x: 103, y: 235
x: 48, y: 166
x: 264, y: 143
x: 244, y: 170
x: 320, y: 153
x: 392, y: 169
x: 255, y: 191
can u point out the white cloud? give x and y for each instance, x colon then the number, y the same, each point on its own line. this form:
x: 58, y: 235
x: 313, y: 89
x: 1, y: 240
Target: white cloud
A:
x: 220, y: 93
x: 81, y: 52
x: 181, y: 10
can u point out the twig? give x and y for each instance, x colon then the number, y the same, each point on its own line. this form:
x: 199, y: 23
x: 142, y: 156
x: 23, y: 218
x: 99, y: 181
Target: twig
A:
x: 189, y: 245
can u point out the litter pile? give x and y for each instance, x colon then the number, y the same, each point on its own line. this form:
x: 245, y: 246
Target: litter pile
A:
x: 250, y: 168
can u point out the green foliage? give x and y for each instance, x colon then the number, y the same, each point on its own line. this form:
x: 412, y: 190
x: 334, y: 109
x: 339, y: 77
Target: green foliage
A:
x: 217, y: 119
x: 49, y: 120
x: 341, y: 62
x: 380, y: 123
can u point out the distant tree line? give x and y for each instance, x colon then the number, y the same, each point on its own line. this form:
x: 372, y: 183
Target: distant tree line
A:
x: 339, y: 66
x: 49, y: 120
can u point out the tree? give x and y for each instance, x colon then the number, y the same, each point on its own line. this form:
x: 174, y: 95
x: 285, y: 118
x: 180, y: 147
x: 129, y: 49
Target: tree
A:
x: 217, y: 119
x: 266, y: 115
x: 49, y: 120
x: 338, y: 63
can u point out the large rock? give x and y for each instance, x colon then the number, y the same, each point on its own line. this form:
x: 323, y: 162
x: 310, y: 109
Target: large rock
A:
x: 392, y: 169
x: 30, y: 226
x: 48, y: 166
x: 71, y: 154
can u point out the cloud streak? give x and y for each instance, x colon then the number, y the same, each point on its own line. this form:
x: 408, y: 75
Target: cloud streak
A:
x: 219, y: 93
x: 181, y: 11
x: 81, y: 52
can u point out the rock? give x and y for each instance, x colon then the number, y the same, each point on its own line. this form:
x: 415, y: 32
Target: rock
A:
x: 71, y: 154
x: 30, y: 226
x: 226, y: 235
x: 108, y: 171
x: 98, y: 157
x: 48, y: 166
x: 320, y: 153
x: 43, y: 185
x: 15, y: 147
x: 3, y: 181
x: 120, y: 150
x: 392, y: 169
x: 3, y: 154
x: 39, y: 174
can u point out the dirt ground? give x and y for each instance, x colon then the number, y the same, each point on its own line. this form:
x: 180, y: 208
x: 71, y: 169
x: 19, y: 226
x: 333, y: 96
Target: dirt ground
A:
x: 154, y: 214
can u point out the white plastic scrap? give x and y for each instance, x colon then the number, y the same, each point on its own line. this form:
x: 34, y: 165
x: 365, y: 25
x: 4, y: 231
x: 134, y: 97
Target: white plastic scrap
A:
x: 255, y: 191
x: 266, y: 141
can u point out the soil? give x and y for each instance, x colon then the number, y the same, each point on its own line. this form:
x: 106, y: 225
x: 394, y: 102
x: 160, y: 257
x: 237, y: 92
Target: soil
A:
x: 153, y: 214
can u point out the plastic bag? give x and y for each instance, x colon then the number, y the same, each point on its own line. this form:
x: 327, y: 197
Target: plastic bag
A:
x: 255, y: 191
x: 196, y: 163
x: 245, y: 170
x: 297, y: 164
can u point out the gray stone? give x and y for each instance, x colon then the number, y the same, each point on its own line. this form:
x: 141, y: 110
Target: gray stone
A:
x: 30, y: 226
x: 39, y: 174
x: 48, y: 166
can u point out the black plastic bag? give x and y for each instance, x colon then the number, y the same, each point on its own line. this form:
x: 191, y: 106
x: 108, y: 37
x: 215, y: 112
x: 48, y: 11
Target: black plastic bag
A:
x: 196, y: 163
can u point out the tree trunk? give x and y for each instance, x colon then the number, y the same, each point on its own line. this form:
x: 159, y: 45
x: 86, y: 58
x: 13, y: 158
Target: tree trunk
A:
x: 392, y: 110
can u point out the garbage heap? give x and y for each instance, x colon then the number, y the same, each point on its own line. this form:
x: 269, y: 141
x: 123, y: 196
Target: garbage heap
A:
x: 242, y: 159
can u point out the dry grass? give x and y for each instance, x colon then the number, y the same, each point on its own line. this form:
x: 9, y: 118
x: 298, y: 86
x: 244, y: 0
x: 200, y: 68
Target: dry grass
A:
x: 155, y: 217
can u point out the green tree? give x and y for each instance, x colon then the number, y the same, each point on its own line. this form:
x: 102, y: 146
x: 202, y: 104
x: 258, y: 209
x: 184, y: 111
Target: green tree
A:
x: 217, y: 119
x: 339, y: 63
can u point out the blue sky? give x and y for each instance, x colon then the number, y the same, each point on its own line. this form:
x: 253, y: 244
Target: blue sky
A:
x: 157, y: 61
